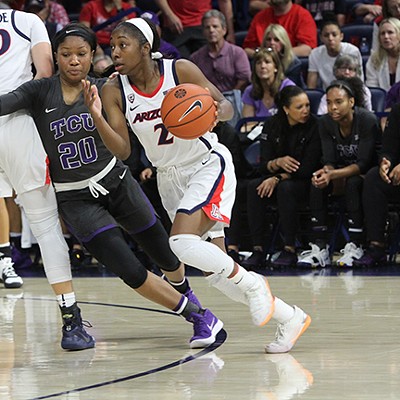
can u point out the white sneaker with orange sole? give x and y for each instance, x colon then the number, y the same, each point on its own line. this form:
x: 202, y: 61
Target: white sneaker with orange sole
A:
x: 289, y: 332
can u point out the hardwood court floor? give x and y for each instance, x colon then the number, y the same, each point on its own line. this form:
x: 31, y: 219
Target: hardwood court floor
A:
x: 351, y: 350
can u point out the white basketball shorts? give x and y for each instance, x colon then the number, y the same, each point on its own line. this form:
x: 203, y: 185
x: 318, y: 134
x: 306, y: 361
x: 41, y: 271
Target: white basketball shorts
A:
x: 208, y: 184
x: 23, y: 161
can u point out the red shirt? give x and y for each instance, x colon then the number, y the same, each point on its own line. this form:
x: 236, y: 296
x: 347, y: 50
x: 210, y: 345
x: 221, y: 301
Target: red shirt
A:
x: 190, y: 12
x: 298, y: 23
x: 94, y: 13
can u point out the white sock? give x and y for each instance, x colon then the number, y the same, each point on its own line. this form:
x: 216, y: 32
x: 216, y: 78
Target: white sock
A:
x: 283, y: 311
x: 243, y: 279
x: 66, y: 299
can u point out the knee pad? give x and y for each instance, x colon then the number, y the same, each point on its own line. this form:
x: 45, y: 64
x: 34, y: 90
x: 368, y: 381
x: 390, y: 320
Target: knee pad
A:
x: 42, y: 215
x: 185, y: 246
x: 205, y: 256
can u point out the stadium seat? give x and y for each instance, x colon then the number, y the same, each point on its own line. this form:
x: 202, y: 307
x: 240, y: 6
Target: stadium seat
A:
x: 353, y: 33
x: 378, y: 97
x: 314, y: 96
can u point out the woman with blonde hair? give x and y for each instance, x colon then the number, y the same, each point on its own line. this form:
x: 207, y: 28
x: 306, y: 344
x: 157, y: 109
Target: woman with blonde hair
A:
x: 383, y: 67
x: 267, y: 79
x: 276, y: 38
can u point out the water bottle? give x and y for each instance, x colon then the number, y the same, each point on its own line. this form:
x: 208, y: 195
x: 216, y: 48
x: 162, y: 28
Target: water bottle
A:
x: 364, y: 46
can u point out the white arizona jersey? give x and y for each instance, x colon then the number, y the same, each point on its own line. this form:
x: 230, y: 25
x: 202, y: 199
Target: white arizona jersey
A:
x: 142, y: 111
x: 19, y: 32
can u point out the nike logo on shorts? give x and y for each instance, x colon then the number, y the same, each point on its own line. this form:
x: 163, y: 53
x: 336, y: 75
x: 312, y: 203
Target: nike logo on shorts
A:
x: 49, y: 110
x: 123, y: 174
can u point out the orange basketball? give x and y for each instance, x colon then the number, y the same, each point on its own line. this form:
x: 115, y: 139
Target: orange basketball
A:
x: 188, y: 111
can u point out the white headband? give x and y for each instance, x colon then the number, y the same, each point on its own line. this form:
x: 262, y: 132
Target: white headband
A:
x: 144, y: 27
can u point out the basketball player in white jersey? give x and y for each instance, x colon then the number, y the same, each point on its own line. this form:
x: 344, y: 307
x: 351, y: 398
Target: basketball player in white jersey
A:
x: 196, y: 178
x: 23, y: 164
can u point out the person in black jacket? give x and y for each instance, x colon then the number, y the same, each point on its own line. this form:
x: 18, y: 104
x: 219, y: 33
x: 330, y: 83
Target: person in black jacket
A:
x: 381, y: 186
x: 290, y: 153
x: 349, y: 137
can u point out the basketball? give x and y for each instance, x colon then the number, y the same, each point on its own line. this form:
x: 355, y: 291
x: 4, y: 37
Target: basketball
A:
x: 188, y: 111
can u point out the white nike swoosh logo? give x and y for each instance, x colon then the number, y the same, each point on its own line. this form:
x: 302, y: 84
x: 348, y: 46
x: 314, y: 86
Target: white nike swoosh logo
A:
x: 49, y: 110
x: 211, y: 326
x: 123, y: 174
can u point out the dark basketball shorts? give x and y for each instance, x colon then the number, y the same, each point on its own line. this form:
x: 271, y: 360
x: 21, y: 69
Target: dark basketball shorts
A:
x: 125, y: 205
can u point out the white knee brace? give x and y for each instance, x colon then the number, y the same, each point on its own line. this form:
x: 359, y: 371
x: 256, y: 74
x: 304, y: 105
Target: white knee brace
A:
x: 205, y: 256
x: 41, y: 210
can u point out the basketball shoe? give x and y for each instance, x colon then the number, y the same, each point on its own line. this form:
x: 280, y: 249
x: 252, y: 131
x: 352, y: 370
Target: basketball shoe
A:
x: 315, y: 257
x: 350, y: 253
x: 74, y: 336
x: 289, y: 332
x: 205, y: 328
x: 260, y: 300
x: 8, y: 275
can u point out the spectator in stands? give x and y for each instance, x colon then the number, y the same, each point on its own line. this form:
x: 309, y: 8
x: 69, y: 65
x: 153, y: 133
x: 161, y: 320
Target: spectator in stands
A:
x: 267, y: 79
x: 349, y: 137
x: 347, y: 66
x: 297, y: 21
x: 166, y: 49
x: 321, y: 60
x: 96, y: 12
x: 224, y: 64
x: 182, y: 22
x: 367, y: 11
x: 48, y: 10
x: 390, y: 9
x: 322, y: 10
x: 276, y: 38
x: 290, y: 152
x: 381, y: 186
x: 383, y: 66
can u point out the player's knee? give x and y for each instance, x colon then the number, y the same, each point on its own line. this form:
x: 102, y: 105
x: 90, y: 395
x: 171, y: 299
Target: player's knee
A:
x: 183, y: 245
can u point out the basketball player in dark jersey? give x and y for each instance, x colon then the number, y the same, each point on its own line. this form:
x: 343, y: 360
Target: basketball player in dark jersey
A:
x: 96, y: 193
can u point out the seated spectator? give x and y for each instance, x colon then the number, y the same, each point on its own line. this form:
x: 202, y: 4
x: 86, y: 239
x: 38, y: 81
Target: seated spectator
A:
x: 347, y: 66
x: 367, y: 11
x: 290, y: 152
x: 381, y: 187
x: 322, y: 10
x: 321, y: 60
x: 349, y: 136
x: 276, y: 38
x: 166, y: 49
x: 96, y: 12
x: 267, y: 79
x: 224, y: 64
x: 383, y: 66
x: 297, y: 21
x: 182, y: 23
x: 390, y: 9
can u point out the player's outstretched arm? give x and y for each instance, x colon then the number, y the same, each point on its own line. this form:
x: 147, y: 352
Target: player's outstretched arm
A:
x: 113, y: 131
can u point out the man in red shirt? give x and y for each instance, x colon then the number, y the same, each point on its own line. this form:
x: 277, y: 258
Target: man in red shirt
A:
x: 297, y: 21
x: 182, y: 22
